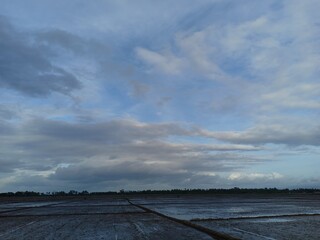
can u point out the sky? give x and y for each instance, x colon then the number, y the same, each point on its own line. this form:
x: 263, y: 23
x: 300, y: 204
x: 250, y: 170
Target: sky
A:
x: 106, y: 95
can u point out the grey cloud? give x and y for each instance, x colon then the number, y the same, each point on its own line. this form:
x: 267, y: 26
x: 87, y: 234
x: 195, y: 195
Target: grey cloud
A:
x: 41, y: 145
x: 39, y: 183
x: 6, y: 113
x: 139, y: 89
x: 96, y: 56
x: 56, y: 37
x: 52, y: 38
x: 133, y: 175
x: 122, y: 171
x: 112, y: 132
x: 26, y: 69
x: 8, y: 165
x: 117, y: 154
x: 139, y: 172
x: 134, y: 136
x: 5, y: 128
x: 277, y: 134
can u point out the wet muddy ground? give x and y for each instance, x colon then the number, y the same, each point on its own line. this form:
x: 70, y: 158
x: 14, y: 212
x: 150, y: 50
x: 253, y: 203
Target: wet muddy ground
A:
x: 248, y: 216
x: 87, y: 219
x: 158, y: 217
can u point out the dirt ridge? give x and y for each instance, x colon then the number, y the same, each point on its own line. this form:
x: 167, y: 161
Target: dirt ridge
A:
x: 256, y: 217
x: 210, y: 232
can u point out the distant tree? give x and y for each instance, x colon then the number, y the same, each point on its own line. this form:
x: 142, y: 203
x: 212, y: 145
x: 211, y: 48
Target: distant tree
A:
x: 72, y: 192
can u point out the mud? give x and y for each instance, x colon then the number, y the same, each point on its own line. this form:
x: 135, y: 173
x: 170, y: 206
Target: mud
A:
x: 177, y: 217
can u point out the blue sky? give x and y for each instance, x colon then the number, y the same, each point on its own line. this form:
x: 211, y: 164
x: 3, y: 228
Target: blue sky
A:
x: 105, y: 95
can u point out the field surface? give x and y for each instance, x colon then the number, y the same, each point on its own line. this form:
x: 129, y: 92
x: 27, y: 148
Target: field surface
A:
x: 245, y: 216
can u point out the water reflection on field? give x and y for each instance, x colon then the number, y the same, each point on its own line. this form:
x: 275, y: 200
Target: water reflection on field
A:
x: 248, y: 216
x: 232, y: 206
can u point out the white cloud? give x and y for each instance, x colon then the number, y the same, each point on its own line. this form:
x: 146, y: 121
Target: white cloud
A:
x: 238, y: 176
x: 277, y: 133
x: 248, y: 72
x: 166, y: 62
x: 276, y: 53
x: 115, y: 150
x: 198, y: 52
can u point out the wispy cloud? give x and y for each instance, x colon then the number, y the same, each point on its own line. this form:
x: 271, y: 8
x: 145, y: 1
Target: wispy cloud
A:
x: 118, y: 93
x: 25, y: 68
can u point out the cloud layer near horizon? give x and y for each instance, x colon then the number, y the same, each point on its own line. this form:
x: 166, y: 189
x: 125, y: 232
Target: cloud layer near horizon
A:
x: 121, y: 95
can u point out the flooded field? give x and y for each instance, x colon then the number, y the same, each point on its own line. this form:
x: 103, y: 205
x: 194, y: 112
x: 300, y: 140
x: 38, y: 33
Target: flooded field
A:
x: 164, y: 217
x: 246, y: 216
x: 102, y: 218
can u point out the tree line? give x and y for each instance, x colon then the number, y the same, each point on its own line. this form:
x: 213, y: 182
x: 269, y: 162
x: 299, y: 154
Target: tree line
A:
x: 234, y: 190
